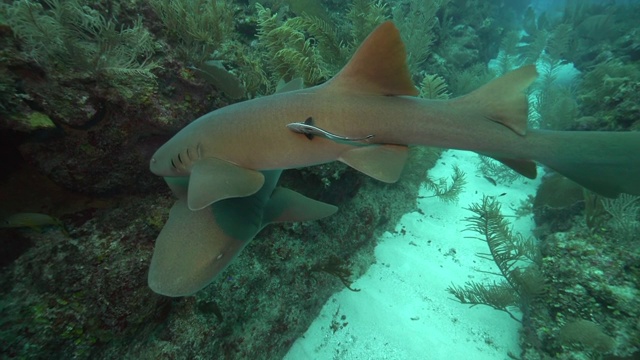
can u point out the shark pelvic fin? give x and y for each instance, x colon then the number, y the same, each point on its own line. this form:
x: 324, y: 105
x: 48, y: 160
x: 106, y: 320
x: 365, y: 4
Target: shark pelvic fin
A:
x: 288, y: 205
x: 378, y: 67
x: 213, y: 179
x: 381, y: 162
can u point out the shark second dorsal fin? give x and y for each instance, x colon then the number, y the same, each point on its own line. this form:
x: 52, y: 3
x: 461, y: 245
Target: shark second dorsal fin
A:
x: 381, y: 162
x: 213, y: 179
x: 293, y: 85
x: 503, y: 100
x: 378, y: 67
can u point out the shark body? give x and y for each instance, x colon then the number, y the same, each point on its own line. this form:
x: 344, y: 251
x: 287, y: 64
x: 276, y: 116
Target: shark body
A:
x: 195, y: 246
x: 366, y: 116
x: 373, y: 98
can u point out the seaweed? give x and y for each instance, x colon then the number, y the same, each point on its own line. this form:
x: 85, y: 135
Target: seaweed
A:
x: 419, y: 25
x: 196, y: 28
x: 75, y: 39
x: 496, y: 171
x: 336, y: 267
x: 445, y: 192
x: 434, y: 87
x: 364, y: 16
x: 290, y: 52
x: 516, y: 258
x: 625, y: 213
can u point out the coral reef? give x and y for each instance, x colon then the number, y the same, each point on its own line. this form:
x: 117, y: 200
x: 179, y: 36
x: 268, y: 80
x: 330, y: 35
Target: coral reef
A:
x: 88, y: 90
x: 517, y: 259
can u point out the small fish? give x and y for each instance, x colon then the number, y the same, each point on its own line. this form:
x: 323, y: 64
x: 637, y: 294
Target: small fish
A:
x: 31, y: 220
x: 491, y: 180
x: 309, y: 130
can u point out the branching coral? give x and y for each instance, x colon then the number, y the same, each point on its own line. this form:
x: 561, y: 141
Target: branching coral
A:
x: 418, y: 25
x: 311, y: 47
x: 196, y: 28
x: 336, y: 267
x: 291, y: 52
x: 625, y: 217
x: 364, y: 16
x: 73, y: 38
x: 510, y: 253
x: 496, y: 172
x: 434, y: 87
x: 447, y: 192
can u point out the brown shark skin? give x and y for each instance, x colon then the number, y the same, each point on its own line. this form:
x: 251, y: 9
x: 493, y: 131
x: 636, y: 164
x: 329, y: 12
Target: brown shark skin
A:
x: 253, y: 134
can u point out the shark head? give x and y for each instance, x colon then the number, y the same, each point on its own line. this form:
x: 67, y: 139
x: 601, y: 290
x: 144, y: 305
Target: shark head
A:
x: 190, y: 251
x: 175, y: 158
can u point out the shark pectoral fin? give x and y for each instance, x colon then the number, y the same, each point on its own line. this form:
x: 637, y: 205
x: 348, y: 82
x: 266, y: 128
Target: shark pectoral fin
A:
x: 189, y: 252
x: 525, y: 168
x: 381, y: 162
x: 214, y: 180
x: 288, y: 205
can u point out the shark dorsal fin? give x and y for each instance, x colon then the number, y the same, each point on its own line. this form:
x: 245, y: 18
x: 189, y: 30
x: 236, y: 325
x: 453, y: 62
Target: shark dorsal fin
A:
x: 294, y: 84
x: 379, y: 66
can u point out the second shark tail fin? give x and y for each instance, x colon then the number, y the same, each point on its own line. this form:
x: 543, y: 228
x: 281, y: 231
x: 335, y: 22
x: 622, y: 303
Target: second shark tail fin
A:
x: 607, y: 163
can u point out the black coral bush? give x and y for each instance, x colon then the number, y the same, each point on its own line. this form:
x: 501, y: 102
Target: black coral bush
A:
x: 69, y: 37
x: 515, y: 257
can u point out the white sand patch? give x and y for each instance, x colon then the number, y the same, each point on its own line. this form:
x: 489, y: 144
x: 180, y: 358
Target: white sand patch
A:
x: 403, y: 310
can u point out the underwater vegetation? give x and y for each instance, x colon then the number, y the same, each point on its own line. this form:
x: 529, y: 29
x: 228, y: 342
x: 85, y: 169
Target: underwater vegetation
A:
x: 75, y: 40
x: 516, y: 258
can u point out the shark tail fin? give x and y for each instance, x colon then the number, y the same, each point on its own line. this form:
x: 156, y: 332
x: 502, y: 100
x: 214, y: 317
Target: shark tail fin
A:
x: 607, y: 163
x: 503, y: 100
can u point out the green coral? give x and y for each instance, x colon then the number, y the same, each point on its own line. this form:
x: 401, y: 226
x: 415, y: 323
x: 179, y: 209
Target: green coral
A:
x: 364, y: 16
x: 37, y: 120
x: 291, y: 52
x: 610, y: 91
x: 418, y: 25
x: 196, y: 28
x: 311, y: 47
x: 70, y: 36
x: 434, y: 87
